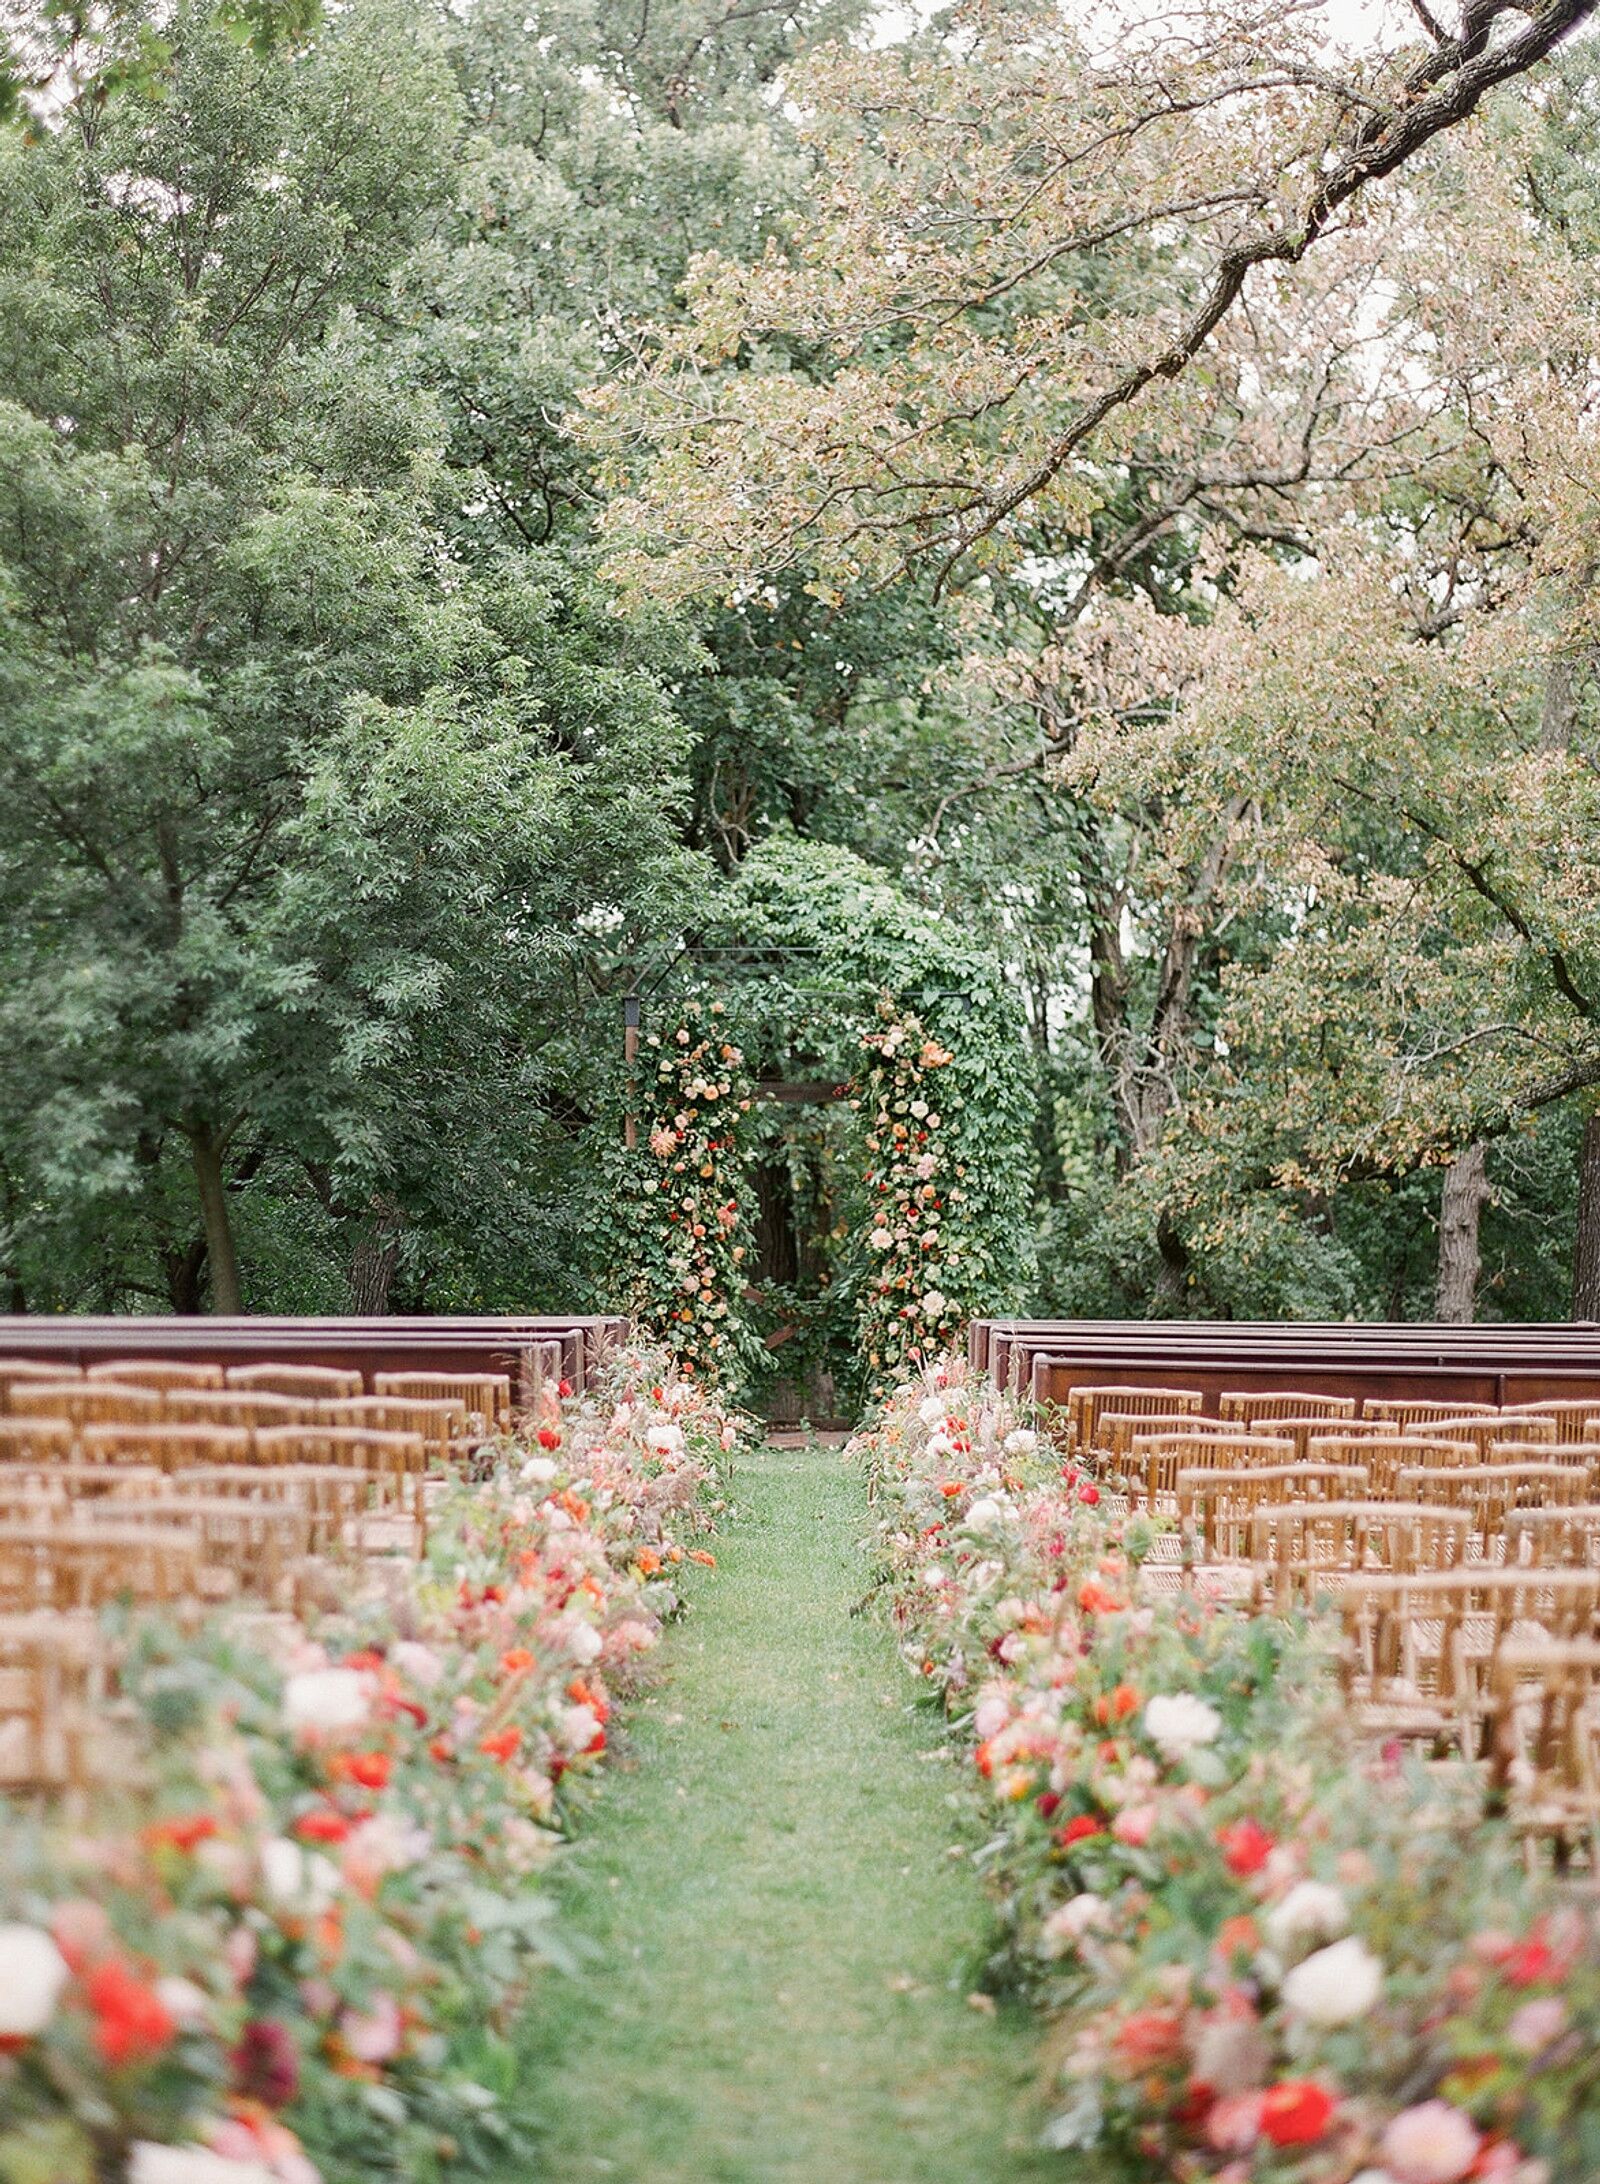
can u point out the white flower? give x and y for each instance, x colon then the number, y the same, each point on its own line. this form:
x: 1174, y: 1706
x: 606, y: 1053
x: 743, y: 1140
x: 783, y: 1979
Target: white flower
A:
x: 1179, y: 1722
x: 296, y: 1879
x: 1020, y: 1443
x: 664, y: 1438
x: 933, y: 1575
x: 183, y: 2001
x: 985, y: 1511
x: 1070, y: 1921
x: 880, y: 1239
x: 931, y: 1411
x: 32, y: 1974
x: 935, y: 1303
x: 151, y: 2164
x: 577, y: 1727
x: 580, y: 1639
x: 1337, y: 1985
x: 327, y: 1699
x: 1311, y: 1911
x: 940, y: 1444
x: 537, y: 1471
x: 994, y: 1711
x: 419, y: 1662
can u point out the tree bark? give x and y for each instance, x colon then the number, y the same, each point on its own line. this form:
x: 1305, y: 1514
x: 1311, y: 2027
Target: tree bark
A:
x: 373, y: 1262
x: 1466, y: 1193
x: 1586, y: 1246
x: 184, y: 1267
x: 206, y: 1146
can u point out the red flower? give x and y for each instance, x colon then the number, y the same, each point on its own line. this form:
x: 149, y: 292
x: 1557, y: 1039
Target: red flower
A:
x: 367, y: 1660
x: 564, y: 1388
x: 502, y: 1744
x: 1530, y: 1961
x: 265, y: 2065
x: 326, y: 1826
x: 132, y: 2023
x: 1116, y: 1704
x: 549, y: 1437
x: 1246, y: 1846
x: 1094, y: 1599
x: 182, y: 1834
x: 1079, y: 1828
x: 1147, y: 2038
x: 370, y: 1769
x: 1296, y: 2112
x: 1089, y: 1494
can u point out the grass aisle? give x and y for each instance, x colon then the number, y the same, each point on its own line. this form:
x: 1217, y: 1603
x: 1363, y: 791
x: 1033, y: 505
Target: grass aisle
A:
x: 780, y: 1994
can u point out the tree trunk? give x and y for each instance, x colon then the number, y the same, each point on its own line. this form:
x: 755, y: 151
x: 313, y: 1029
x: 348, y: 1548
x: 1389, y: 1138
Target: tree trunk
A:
x: 184, y: 1267
x: 206, y: 1145
x: 1466, y: 1193
x: 1586, y: 1247
x: 373, y: 1262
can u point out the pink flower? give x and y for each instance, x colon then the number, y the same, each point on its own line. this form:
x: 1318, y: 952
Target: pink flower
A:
x: 1537, y: 2024
x: 1135, y: 1825
x: 1432, y: 2143
x: 1234, y: 2123
x: 374, y: 2036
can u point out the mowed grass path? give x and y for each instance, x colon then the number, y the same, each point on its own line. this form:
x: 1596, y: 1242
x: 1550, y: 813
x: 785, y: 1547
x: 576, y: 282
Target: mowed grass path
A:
x: 785, y: 1942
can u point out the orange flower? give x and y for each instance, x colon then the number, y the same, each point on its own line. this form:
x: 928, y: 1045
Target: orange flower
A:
x: 647, y: 1562
x: 502, y: 1744
x: 183, y: 1833
x: 370, y: 1769
x: 1116, y: 1705
x: 516, y: 1661
x: 698, y: 1554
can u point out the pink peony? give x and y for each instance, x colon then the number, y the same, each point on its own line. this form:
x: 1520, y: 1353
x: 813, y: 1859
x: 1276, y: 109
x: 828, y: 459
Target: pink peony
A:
x: 1432, y: 2143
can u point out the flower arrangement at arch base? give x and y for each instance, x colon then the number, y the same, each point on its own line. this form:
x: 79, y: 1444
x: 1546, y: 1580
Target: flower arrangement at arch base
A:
x: 1269, y: 1953
x: 324, y: 1866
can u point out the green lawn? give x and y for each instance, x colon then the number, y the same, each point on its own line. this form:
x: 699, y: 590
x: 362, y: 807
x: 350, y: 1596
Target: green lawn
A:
x: 785, y: 1939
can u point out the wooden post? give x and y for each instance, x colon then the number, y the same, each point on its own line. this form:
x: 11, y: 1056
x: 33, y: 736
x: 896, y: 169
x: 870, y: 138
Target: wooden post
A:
x: 630, y: 1056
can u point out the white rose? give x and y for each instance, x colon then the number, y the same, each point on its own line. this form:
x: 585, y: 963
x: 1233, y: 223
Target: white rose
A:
x: 1179, y: 1722
x: 582, y: 1641
x: 32, y: 1974
x: 985, y: 1511
x: 940, y: 1444
x: 298, y: 1880
x: 931, y: 1410
x: 1311, y: 1911
x: 537, y: 1471
x: 1020, y: 1443
x: 664, y: 1438
x: 1337, y: 1985
x: 152, y: 2164
x: 327, y: 1699
x: 1069, y: 1922
x: 577, y: 1727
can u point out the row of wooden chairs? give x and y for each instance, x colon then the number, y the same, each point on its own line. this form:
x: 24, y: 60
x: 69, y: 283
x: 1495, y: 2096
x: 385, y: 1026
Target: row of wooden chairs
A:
x: 143, y: 1391
x: 1090, y: 1412
x: 1149, y: 1472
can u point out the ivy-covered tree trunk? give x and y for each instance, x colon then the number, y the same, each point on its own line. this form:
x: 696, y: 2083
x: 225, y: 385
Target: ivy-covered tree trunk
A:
x: 1466, y: 1193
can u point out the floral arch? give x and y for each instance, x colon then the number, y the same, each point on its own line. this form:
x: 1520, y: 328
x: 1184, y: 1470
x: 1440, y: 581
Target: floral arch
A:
x: 824, y: 988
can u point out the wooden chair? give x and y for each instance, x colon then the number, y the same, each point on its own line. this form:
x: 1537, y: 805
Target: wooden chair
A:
x: 313, y: 1383
x: 484, y: 1396
x: 1300, y: 1431
x: 248, y: 1549
x: 398, y: 1462
x: 1217, y: 1508
x: 1483, y: 1433
x: 237, y: 1407
x: 1405, y: 1413
x: 1580, y: 1457
x: 441, y: 1424
x: 1116, y: 1431
x: 41, y: 1487
x: 1553, y: 1539
x: 1155, y: 1460
x: 1492, y: 1491
x: 156, y: 1372
x: 329, y: 1496
x: 1299, y: 1547
x: 1386, y: 1455
x: 93, y: 1403
x: 1419, y: 1651
x: 21, y: 1373
x: 1545, y: 1742
x: 1247, y: 1407
x: 1569, y: 1417
x: 52, y: 1673
x: 173, y: 1448
x: 36, y: 1440
x: 78, y: 1565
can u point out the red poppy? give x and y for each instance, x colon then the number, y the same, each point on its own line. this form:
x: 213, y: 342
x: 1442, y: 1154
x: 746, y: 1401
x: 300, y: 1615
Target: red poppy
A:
x: 326, y: 1826
x: 370, y: 1769
x: 132, y: 2023
x: 183, y: 1833
x: 1079, y: 1829
x: 1296, y: 2112
x: 1246, y: 1846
